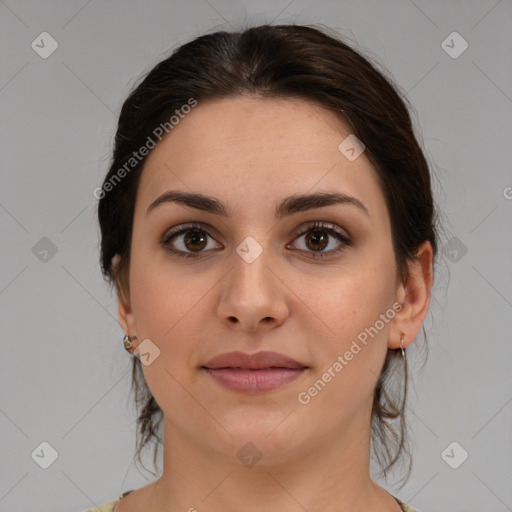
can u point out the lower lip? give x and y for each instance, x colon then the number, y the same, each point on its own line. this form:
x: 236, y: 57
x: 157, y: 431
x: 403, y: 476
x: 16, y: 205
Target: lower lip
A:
x: 254, y: 381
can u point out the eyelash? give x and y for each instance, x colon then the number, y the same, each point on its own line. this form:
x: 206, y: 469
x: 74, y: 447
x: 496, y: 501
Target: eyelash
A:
x: 321, y: 226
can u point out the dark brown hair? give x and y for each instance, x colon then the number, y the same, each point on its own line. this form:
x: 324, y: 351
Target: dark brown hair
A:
x: 280, y: 61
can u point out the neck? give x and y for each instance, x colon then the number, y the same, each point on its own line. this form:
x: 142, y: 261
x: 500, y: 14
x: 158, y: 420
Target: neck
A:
x: 329, y: 474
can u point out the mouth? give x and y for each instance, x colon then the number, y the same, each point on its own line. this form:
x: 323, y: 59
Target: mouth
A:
x: 253, y: 373
x: 257, y: 361
x: 247, y: 380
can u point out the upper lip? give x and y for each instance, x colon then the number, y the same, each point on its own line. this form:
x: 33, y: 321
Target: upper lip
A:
x: 257, y: 361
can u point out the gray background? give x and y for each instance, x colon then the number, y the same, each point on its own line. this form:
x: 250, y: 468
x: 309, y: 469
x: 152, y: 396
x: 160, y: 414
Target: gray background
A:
x: 64, y: 374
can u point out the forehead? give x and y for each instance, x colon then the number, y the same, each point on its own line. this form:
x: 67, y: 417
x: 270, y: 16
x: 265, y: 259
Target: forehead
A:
x: 250, y: 149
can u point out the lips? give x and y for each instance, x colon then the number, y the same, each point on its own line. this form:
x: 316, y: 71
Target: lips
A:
x: 257, y: 361
x: 253, y: 373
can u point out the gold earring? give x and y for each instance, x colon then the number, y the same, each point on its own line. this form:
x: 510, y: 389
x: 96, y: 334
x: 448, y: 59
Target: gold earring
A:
x: 128, y: 343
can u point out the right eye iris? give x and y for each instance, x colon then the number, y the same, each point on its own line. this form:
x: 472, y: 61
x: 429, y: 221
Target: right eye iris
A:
x: 318, y: 234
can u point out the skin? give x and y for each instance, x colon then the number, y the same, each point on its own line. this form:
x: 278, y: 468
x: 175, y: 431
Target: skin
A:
x: 250, y: 153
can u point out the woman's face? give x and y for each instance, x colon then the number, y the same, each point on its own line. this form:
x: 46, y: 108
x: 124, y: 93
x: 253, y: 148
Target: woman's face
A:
x: 254, y: 281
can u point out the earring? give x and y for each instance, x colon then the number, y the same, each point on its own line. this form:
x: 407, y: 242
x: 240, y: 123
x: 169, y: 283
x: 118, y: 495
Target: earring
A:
x: 128, y: 343
x: 404, y: 356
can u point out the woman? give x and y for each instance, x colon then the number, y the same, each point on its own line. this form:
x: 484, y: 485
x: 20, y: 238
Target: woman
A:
x: 269, y: 226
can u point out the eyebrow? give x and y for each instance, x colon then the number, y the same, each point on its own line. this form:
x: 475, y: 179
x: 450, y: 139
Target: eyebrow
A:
x: 290, y: 205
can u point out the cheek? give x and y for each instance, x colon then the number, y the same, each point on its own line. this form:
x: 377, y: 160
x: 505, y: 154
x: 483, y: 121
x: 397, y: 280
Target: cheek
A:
x: 167, y: 312
x: 160, y: 295
x: 347, y: 302
x: 351, y: 349
x: 169, y: 309
x: 350, y: 355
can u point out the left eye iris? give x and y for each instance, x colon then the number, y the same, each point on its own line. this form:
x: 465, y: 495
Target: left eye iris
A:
x: 195, y: 238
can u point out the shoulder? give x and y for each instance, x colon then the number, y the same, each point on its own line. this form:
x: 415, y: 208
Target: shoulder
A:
x: 109, y: 507
x: 106, y: 507
x: 405, y: 507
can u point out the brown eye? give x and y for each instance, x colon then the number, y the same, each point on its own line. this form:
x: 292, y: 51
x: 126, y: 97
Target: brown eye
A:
x: 316, y: 240
x: 194, y: 240
x: 318, y: 236
x: 187, y: 241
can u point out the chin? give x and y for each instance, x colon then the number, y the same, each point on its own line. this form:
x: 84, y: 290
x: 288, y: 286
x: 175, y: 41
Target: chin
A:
x: 270, y: 439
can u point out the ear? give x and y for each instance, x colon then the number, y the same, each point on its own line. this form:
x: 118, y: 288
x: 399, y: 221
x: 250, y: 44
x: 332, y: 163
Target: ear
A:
x: 414, y: 295
x: 124, y: 311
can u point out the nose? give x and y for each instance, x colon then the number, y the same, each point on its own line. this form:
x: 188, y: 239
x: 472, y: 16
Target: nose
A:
x: 253, y: 296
